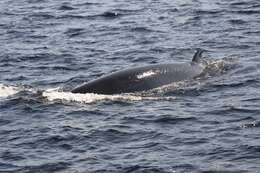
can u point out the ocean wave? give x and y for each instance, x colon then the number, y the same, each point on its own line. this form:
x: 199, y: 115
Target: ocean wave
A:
x: 65, y: 8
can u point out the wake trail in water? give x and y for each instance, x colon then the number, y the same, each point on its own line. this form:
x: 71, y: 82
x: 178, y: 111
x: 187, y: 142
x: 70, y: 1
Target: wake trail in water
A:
x: 55, y: 94
x: 212, y: 68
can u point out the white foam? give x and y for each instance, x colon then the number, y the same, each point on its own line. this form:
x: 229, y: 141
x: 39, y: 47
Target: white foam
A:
x: 54, y: 94
x: 6, y: 91
x: 84, y: 98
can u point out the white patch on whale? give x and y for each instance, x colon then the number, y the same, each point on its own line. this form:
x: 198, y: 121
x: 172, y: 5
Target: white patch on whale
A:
x: 146, y: 74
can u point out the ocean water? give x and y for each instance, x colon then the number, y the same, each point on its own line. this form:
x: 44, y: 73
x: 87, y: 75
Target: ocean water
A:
x: 207, y: 125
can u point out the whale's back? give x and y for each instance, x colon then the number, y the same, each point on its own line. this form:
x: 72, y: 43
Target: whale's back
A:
x: 140, y: 78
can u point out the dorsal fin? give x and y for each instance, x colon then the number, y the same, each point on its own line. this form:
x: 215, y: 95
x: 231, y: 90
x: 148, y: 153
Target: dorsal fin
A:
x: 197, y: 56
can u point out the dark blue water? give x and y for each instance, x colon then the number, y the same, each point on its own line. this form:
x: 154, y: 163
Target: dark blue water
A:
x: 48, y: 47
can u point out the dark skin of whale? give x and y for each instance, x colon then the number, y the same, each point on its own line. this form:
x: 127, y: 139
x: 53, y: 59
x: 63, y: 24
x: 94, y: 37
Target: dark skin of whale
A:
x: 143, y: 78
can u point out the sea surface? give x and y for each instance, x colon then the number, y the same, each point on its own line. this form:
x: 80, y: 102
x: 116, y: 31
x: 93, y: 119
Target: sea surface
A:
x: 207, y: 125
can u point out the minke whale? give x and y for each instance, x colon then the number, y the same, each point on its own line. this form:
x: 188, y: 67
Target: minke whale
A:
x: 144, y: 78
